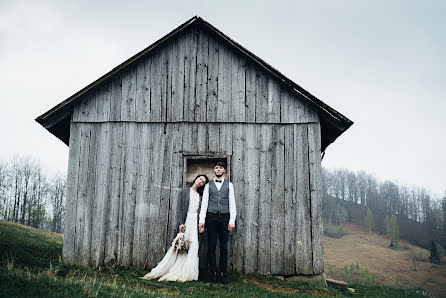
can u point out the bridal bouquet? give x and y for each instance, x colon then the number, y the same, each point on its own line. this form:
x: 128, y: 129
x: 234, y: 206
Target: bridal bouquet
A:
x: 181, y: 245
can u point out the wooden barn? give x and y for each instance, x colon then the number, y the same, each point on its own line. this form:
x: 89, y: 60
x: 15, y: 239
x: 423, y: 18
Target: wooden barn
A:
x: 137, y: 134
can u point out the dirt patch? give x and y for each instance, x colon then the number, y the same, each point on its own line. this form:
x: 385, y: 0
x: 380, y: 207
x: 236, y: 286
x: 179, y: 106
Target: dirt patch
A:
x: 167, y: 292
x: 270, y: 288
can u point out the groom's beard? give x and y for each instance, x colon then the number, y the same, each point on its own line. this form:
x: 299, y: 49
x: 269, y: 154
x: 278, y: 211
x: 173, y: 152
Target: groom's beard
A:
x: 218, y: 176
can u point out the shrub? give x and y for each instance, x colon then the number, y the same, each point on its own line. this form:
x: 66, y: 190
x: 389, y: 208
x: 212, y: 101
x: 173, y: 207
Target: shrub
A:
x: 369, y: 221
x: 394, y: 232
x: 334, y: 231
x: 436, y: 253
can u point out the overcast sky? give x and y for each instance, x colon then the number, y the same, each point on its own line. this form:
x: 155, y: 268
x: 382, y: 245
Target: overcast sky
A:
x: 382, y: 64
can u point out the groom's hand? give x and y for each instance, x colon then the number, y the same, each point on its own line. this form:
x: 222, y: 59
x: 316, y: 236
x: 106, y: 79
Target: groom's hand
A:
x: 231, y: 227
x: 201, y: 228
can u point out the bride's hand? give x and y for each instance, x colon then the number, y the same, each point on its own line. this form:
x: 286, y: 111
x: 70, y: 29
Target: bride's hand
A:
x: 181, y: 227
x: 201, y: 228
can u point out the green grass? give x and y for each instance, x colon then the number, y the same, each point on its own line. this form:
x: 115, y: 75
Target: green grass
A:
x: 30, y: 267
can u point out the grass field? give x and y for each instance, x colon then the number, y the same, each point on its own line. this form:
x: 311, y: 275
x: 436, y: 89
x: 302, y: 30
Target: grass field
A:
x: 407, y: 267
x: 30, y: 267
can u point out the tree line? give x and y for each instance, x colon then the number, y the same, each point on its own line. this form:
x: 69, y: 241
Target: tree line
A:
x: 30, y: 196
x: 360, y: 198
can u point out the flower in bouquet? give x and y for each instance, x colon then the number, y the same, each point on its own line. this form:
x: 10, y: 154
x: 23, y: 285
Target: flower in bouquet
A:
x: 181, y: 245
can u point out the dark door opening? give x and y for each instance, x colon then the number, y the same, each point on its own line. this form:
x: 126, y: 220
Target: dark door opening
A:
x: 197, y: 165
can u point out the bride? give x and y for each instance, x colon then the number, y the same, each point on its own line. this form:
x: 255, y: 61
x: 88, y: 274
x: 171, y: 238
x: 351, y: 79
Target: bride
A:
x: 183, y: 266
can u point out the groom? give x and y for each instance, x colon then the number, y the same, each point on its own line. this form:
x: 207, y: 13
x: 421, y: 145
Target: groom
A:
x: 218, y: 211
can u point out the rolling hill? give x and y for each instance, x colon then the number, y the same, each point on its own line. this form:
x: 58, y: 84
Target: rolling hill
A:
x: 407, y: 267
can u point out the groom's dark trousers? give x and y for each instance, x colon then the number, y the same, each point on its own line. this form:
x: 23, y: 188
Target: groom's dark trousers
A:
x: 217, y: 225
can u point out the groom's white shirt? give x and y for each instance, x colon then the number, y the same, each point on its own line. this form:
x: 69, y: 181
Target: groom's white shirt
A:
x: 205, y: 202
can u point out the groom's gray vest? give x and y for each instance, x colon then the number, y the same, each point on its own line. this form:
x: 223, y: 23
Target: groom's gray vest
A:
x: 218, y: 199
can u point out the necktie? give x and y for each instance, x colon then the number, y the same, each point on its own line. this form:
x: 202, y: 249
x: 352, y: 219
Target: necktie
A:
x: 218, y: 181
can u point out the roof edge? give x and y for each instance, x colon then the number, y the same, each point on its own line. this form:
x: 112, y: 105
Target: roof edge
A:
x: 330, y: 115
x: 41, y: 119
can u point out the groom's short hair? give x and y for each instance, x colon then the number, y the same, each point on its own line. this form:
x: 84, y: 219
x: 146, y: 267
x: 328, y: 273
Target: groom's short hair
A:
x: 220, y: 164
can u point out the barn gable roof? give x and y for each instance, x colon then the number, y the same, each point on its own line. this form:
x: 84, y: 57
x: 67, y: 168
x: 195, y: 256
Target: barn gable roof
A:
x: 333, y: 123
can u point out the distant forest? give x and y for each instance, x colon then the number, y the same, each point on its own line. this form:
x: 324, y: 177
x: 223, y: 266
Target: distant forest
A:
x: 28, y: 195
x: 360, y: 198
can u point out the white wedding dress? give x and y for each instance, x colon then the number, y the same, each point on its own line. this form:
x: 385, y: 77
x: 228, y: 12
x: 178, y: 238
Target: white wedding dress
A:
x: 181, y: 266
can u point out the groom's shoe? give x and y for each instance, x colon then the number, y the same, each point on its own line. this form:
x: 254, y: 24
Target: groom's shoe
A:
x: 213, y: 277
x: 223, y: 278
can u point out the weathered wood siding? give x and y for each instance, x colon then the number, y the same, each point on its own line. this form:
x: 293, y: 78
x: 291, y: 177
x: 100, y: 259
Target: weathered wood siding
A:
x: 197, y: 78
x: 194, y: 96
x: 124, y: 179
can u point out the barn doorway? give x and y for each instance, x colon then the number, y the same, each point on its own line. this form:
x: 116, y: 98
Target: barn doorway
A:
x: 196, y: 165
x: 203, y: 164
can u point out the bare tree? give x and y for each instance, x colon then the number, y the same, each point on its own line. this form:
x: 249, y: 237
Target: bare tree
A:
x: 57, y: 197
x: 443, y: 209
x: 422, y: 217
x: 4, y: 196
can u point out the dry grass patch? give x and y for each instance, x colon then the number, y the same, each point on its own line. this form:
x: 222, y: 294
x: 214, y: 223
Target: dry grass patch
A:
x: 391, y: 267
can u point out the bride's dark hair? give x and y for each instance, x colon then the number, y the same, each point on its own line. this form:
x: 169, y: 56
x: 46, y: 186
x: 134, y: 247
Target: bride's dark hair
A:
x: 200, y: 189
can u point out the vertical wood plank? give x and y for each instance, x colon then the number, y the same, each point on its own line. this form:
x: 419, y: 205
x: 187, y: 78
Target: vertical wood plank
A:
x: 299, y: 109
x: 261, y: 97
x: 156, y: 225
x: 166, y: 187
x: 250, y: 100
x: 82, y: 191
x: 187, y: 137
x: 212, y: 91
x: 238, y: 88
x: 226, y: 138
x: 122, y: 195
x: 202, y: 77
x: 202, y: 137
x: 142, y: 207
x: 287, y: 107
x: 128, y: 194
x: 312, y: 115
x: 165, y: 81
x: 252, y: 194
x: 102, y: 98
x: 303, y: 246
x: 72, y: 192
x: 115, y: 97
x: 177, y: 79
x: 128, y: 106
x: 85, y: 110
x: 176, y: 170
x: 89, y: 192
x: 224, y: 94
x: 290, y: 206
x: 143, y: 91
x: 170, y: 54
x: 264, y: 239
x: 236, y: 257
x: 314, y: 140
x: 190, y: 69
x: 155, y: 85
x: 152, y: 156
x: 273, y: 101
x: 100, y: 199
x: 214, y: 137
x: 277, y: 200
x: 112, y: 233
